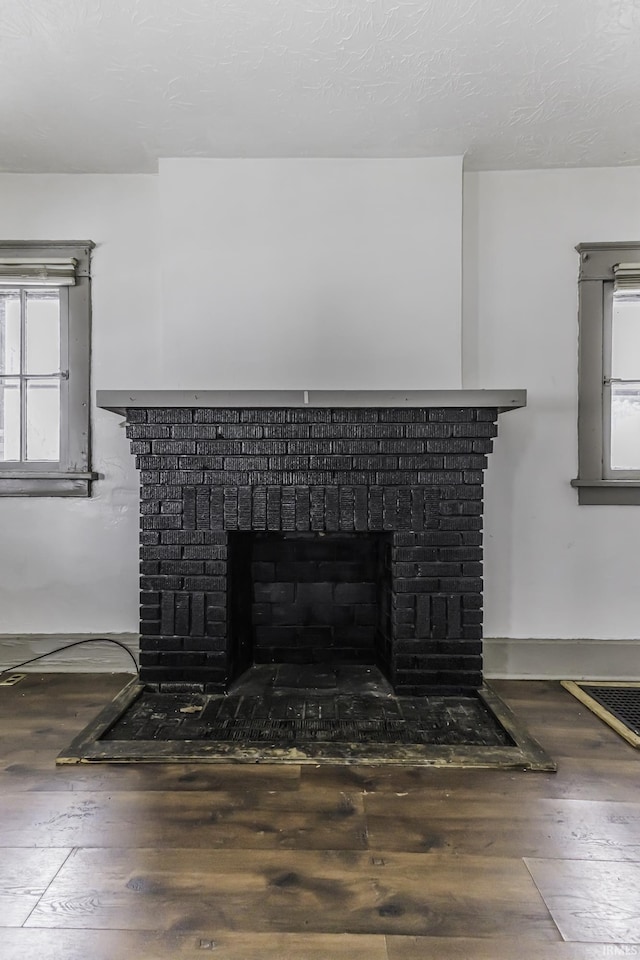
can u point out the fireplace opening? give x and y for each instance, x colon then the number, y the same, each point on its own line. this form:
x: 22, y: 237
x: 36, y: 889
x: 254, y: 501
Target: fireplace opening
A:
x: 310, y: 598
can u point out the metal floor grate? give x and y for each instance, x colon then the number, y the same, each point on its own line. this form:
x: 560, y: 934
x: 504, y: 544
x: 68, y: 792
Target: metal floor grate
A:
x: 622, y: 702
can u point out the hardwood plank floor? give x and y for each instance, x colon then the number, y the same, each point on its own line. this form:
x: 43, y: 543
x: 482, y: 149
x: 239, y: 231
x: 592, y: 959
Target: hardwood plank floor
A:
x: 250, y: 861
x: 591, y: 901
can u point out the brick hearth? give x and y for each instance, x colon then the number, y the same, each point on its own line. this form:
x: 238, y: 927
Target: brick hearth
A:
x: 412, y: 474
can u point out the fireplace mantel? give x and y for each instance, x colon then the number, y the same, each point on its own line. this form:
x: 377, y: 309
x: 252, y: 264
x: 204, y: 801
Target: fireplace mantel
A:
x: 312, y: 478
x: 119, y: 401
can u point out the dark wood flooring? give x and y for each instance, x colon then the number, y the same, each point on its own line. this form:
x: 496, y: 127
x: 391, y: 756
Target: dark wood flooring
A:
x: 251, y: 862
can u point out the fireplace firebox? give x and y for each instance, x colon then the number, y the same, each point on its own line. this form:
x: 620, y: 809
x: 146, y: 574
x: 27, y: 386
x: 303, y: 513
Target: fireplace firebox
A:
x: 315, y: 528
x: 305, y: 598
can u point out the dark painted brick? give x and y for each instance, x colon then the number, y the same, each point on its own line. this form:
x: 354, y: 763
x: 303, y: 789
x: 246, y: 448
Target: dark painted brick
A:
x: 160, y: 552
x: 307, y: 415
x: 472, y: 601
x: 472, y: 538
x: 161, y: 583
x: 452, y: 414
x: 161, y: 523
x: 216, y: 415
x: 173, y: 415
x: 468, y: 508
x: 463, y: 524
x: 331, y: 463
x: 204, y: 583
x: 450, y: 446
x: 157, y: 491
x: 439, y: 477
x: 148, y: 431
x: 429, y: 430
x: 136, y: 415
x: 287, y: 462
x: 421, y: 462
x: 194, y: 537
x: 181, y: 477
x: 195, y: 431
x: 263, y: 415
x: 306, y: 447
x: 226, y: 478
x: 264, y: 447
x: 472, y: 617
x: 474, y: 430
x: 171, y: 507
x: 461, y: 585
x: 392, y: 478
x: 217, y: 614
x: 470, y: 461
x: 482, y: 446
x: 354, y: 415
x: 286, y: 431
x: 303, y: 508
x: 182, y: 567
x: 402, y: 414
x: 258, y: 517
x: 458, y: 554
x: 273, y: 508
x: 408, y: 554
x: 416, y: 585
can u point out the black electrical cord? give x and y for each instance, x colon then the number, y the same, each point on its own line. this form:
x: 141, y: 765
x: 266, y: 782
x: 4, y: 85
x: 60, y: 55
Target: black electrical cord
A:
x: 68, y: 647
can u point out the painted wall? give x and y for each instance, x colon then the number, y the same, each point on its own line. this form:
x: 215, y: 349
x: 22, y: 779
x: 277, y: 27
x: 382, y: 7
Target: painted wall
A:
x: 553, y: 569
x: 315, y: 274
x: 71, y: 566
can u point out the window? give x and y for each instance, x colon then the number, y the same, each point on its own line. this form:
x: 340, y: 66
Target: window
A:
x: 44, y: 368
x: 609, y: 374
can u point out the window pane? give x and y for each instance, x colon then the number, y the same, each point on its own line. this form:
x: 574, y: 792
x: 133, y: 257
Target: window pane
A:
x: 43, y: 420
x: 9, y: 419
x: 10, y: 331
x: 42, y: 333
x: 625, y: 426
x: 625, y: 344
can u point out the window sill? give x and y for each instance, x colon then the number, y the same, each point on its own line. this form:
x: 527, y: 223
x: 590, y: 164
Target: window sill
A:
x: 602, y: 492
x: 20, y: 483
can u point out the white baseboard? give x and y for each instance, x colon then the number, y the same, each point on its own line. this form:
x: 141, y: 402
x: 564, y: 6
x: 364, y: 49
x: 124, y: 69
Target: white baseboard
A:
x: 561, y: 659
x: 503, y: 658
x: 88, y: 658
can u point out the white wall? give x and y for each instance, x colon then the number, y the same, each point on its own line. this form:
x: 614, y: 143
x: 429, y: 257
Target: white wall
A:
x: 71, y: 566
x: 553, y: 569
x: 315, y: 274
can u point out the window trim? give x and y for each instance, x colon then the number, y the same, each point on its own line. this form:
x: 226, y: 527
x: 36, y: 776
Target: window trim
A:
x: 595, y: 284
x: 74, y: 476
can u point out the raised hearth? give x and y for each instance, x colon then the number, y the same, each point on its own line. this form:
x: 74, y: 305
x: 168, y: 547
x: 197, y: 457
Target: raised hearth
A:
x: 306, y: 477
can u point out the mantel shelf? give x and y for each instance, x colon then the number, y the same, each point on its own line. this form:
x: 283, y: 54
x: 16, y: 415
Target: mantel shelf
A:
x: 119, y: 400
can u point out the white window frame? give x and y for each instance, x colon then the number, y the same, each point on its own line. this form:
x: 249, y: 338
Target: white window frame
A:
x: 71, y: 476
x: 596, y: 482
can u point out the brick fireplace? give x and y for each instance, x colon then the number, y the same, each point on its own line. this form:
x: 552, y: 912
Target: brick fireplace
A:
x: 311, y: 528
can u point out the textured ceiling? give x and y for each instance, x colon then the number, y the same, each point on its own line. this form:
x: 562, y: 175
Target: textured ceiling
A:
x: 112, y: 85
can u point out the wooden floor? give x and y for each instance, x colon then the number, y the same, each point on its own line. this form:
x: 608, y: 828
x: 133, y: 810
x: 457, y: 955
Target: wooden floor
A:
x: 310, y: 863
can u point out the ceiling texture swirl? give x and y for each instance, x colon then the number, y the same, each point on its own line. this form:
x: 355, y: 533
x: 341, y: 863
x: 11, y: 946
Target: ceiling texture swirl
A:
x: 113, y: 85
